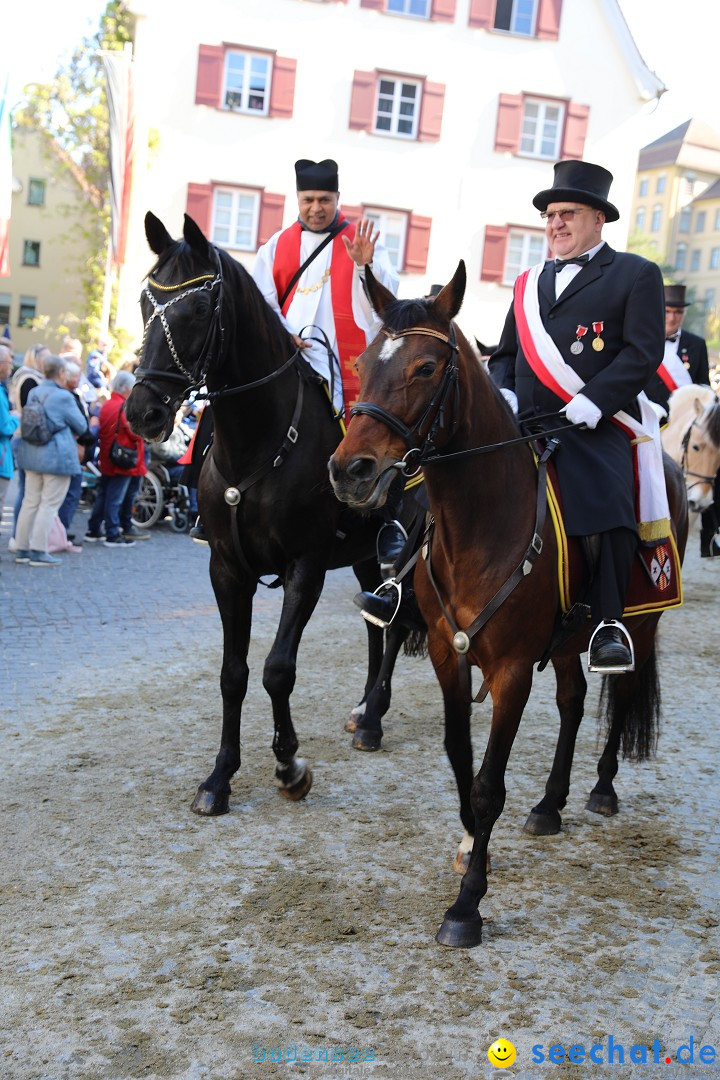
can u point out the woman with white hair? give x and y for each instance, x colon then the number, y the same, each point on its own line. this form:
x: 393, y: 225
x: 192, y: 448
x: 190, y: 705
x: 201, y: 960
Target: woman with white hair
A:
x: 118, y: 480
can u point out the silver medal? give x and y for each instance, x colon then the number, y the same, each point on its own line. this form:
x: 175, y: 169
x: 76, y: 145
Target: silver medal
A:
x: 576, y: 347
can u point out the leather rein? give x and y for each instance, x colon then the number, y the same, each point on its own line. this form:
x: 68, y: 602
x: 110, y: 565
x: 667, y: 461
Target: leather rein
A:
x: 700, y: 477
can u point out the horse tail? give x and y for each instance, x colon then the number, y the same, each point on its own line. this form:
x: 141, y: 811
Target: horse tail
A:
x: 633, y: 708
x: 416, y: 643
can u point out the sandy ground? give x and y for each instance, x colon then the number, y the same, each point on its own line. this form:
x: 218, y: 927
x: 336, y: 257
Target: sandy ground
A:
x: 141, y: 941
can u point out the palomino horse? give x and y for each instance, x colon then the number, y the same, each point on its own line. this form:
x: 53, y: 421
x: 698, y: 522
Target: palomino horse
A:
x: 425, y: 399
x: 264, y: 493
x: 692, y: 438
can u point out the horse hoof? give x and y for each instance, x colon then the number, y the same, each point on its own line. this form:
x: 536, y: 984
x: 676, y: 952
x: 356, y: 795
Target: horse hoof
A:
x: 462, y: 861
x: 298, y: 790
x: 351, y: 723
x: 543, y: 824
x: 208, y: 804
x: 602, y: 804
x: 366, y: 739
x: 456, y: 934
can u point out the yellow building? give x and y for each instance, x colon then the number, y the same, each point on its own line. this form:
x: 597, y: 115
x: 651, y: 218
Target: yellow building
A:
x: 48, y: 243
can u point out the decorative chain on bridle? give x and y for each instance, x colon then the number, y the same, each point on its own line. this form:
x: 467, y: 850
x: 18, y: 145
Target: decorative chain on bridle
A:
x: 158, y: 311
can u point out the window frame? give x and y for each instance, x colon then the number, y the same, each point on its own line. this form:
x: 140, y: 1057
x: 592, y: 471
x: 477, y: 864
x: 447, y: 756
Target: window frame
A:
x: 660, y: 184
x: 25, y: 302
x: 695, y: 257
x: 395, y: 115
x: 380, y: 215
x: 28, y: 244
x: 5, y: 308
x: 235, y: 191
x: 714, y: 261
x: 556, y: 152
x: 640, y: 215
x: 513, y: 15
x: 656, y: 218
x: 248, y: 55
x: 700, y: 218
x: 643, y: 188
x: 527, y: 235
x: 32, y: 182
x: 410, y: 14
x: 681, y: 250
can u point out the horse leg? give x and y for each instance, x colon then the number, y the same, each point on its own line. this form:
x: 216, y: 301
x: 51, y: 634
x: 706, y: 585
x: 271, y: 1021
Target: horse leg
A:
x: 234, y: 599
x: 368, y: 728
x: 544, y: 819
x: 462, y: 926
x: 303, y: 585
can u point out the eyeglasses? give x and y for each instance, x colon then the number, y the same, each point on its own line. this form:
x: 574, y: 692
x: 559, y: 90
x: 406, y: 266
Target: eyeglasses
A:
x: 564, y: 215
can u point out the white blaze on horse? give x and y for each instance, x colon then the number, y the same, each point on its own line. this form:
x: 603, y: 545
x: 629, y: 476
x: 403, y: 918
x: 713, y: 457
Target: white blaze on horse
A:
x: 692, y: 439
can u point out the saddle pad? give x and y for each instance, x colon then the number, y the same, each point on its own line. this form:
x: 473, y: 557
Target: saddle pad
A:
x: 656, y: 579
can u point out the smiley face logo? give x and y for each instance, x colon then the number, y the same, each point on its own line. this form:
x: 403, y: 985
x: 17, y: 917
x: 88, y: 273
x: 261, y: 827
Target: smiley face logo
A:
x: 501, y: 1054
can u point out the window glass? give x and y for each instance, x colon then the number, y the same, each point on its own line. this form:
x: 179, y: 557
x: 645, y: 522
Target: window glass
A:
x: 397, y: 107
x: 524, y: 249
x: 31, y: 253
x: 36, y: 192
x: 392, y: 227
x: 235, y: 218
x: 541, y: 129
x: 247, y: 82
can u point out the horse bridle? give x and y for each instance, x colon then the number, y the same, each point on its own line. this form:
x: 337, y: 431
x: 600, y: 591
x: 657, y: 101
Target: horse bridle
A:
x: 434, y: 415
x: 701, y: 478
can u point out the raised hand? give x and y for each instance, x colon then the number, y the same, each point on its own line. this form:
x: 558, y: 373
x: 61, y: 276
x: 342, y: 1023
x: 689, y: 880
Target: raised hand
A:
x: 362, y: 248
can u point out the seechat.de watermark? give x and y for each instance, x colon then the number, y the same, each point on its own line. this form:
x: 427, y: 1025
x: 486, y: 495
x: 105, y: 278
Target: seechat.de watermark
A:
x: 614, y: 1053
x: 278, y: 1054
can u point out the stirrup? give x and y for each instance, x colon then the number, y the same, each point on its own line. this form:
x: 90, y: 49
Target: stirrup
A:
x: 620, y: 669
x: 391, y: 583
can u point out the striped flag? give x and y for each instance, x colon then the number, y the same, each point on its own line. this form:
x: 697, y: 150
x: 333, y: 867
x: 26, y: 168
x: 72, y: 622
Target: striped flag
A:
x: 5, y: 182
x: 119, y: 71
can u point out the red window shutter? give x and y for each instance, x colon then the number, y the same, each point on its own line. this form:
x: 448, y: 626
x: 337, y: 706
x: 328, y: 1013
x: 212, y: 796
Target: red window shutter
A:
x: 576, y: 125
x: 417, y: 243
x: 209, y: 75
x: 482, y: 14
x: 443, y: 10
x: 282, y: 91
x: 509, y: 123
x: 548, y: 20
x: 199, y: 206
x: 362, y: 101
x: 493, y: 263
x: 431, y: 112
x: 352, y: 213
x: 374, y: 5
x: 271, y: 216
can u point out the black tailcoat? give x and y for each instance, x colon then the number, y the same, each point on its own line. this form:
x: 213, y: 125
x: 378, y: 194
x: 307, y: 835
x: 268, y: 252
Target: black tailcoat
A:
x: 692, y: 350
x: 625, y: 293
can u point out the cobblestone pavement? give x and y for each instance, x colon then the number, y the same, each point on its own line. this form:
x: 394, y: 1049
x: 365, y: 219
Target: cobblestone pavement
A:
x: 141, y: 941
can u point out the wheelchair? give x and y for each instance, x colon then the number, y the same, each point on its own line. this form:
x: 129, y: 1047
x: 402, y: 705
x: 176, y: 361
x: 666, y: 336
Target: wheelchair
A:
x: 161, y: 497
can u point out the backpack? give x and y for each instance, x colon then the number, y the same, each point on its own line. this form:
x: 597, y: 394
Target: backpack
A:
x: 35, y: 426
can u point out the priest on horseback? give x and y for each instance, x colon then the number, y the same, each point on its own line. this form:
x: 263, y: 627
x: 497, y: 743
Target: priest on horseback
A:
x: 583, y: 336
x: 311, y: 274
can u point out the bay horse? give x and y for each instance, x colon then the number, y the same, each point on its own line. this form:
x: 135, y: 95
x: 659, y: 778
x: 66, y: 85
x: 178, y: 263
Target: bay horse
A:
x: 263, y: 494
x: 692, y: 438
x: 426, y: 398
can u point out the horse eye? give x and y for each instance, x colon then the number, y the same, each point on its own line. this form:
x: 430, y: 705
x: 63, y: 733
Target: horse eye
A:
x: 696, y: 447
x: 427, y: 369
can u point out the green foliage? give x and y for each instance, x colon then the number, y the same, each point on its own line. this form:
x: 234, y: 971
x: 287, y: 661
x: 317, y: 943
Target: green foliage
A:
x: 640, y: 244
x: 71, y: 114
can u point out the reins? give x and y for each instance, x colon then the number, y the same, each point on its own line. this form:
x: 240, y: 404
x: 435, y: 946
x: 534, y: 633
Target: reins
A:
x: 701, y: 478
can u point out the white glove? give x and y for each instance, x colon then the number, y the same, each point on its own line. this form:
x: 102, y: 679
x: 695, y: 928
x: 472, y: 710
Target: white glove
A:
x: 581, y: 410
x: 659, y: 411
x: 511, y: 398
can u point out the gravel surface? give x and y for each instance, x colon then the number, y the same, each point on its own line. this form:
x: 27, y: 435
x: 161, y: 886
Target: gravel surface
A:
x: 142, y: 941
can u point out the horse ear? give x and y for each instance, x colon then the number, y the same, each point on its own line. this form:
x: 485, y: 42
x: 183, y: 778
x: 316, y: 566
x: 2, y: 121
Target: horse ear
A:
x: 449, y: 300
x: 157, y: 235
x: 379, y: 296
x: 699, y: 406
x: 196, y: 237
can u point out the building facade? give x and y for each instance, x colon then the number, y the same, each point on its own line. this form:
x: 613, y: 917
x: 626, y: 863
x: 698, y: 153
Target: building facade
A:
x: 445, y: 117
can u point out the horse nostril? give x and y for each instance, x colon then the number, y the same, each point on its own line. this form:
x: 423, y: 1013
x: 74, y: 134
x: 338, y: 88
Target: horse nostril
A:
x: 361, y: 468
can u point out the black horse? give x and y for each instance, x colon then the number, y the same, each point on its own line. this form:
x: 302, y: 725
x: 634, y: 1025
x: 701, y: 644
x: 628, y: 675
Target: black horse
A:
x: 264, y: 493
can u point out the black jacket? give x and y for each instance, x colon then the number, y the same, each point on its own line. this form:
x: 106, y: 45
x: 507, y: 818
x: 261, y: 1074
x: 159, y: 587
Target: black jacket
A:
x: 692, y: 350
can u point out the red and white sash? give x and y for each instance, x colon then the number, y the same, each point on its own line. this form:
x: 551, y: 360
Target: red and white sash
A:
x: 672, y: 370
x: 546, y: 361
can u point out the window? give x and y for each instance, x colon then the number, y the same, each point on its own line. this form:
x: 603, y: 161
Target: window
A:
x: 643, y: 187
x: 392, y: 227
x: 28, y: 310
x: 685, y: 215
x: 714, y: 260
x: 660, y: 184
x: 397, y: 109
x: 700, y: 221
x: 717, y: 220
x: 36, y: 192
x: 31, y: 253
x: 695, y: 259
x: 656, y: 218
x: 515, y: 16
x: 542, y: 126
x: 680, y: 256
x: 235, y: 218
x: 524, y: 249
x: 247, y: 82
x: 5, y: 299
x: 418, y: 8
x: 640, y: 217
x: 690, y: 182
x: 709, y: 299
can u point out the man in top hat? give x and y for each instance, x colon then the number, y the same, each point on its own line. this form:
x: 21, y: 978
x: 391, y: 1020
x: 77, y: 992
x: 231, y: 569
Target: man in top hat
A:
x: 583, y: 336
x: 685, y: 361
x: 311, y: 274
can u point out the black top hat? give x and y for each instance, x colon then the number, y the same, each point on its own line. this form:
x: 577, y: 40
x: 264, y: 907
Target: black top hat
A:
x: 434, y: 290
x: 583, y: 182
x: 675, y: 296
x: 316, y: 175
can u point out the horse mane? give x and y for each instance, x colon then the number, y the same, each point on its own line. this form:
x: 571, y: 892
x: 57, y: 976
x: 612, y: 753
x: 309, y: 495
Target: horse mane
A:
x: 712, y: 423
x: 402, y: 314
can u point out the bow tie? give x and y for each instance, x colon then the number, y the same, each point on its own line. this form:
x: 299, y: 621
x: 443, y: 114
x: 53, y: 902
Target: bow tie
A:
x: 673, y: 337
x: 580, y: 260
